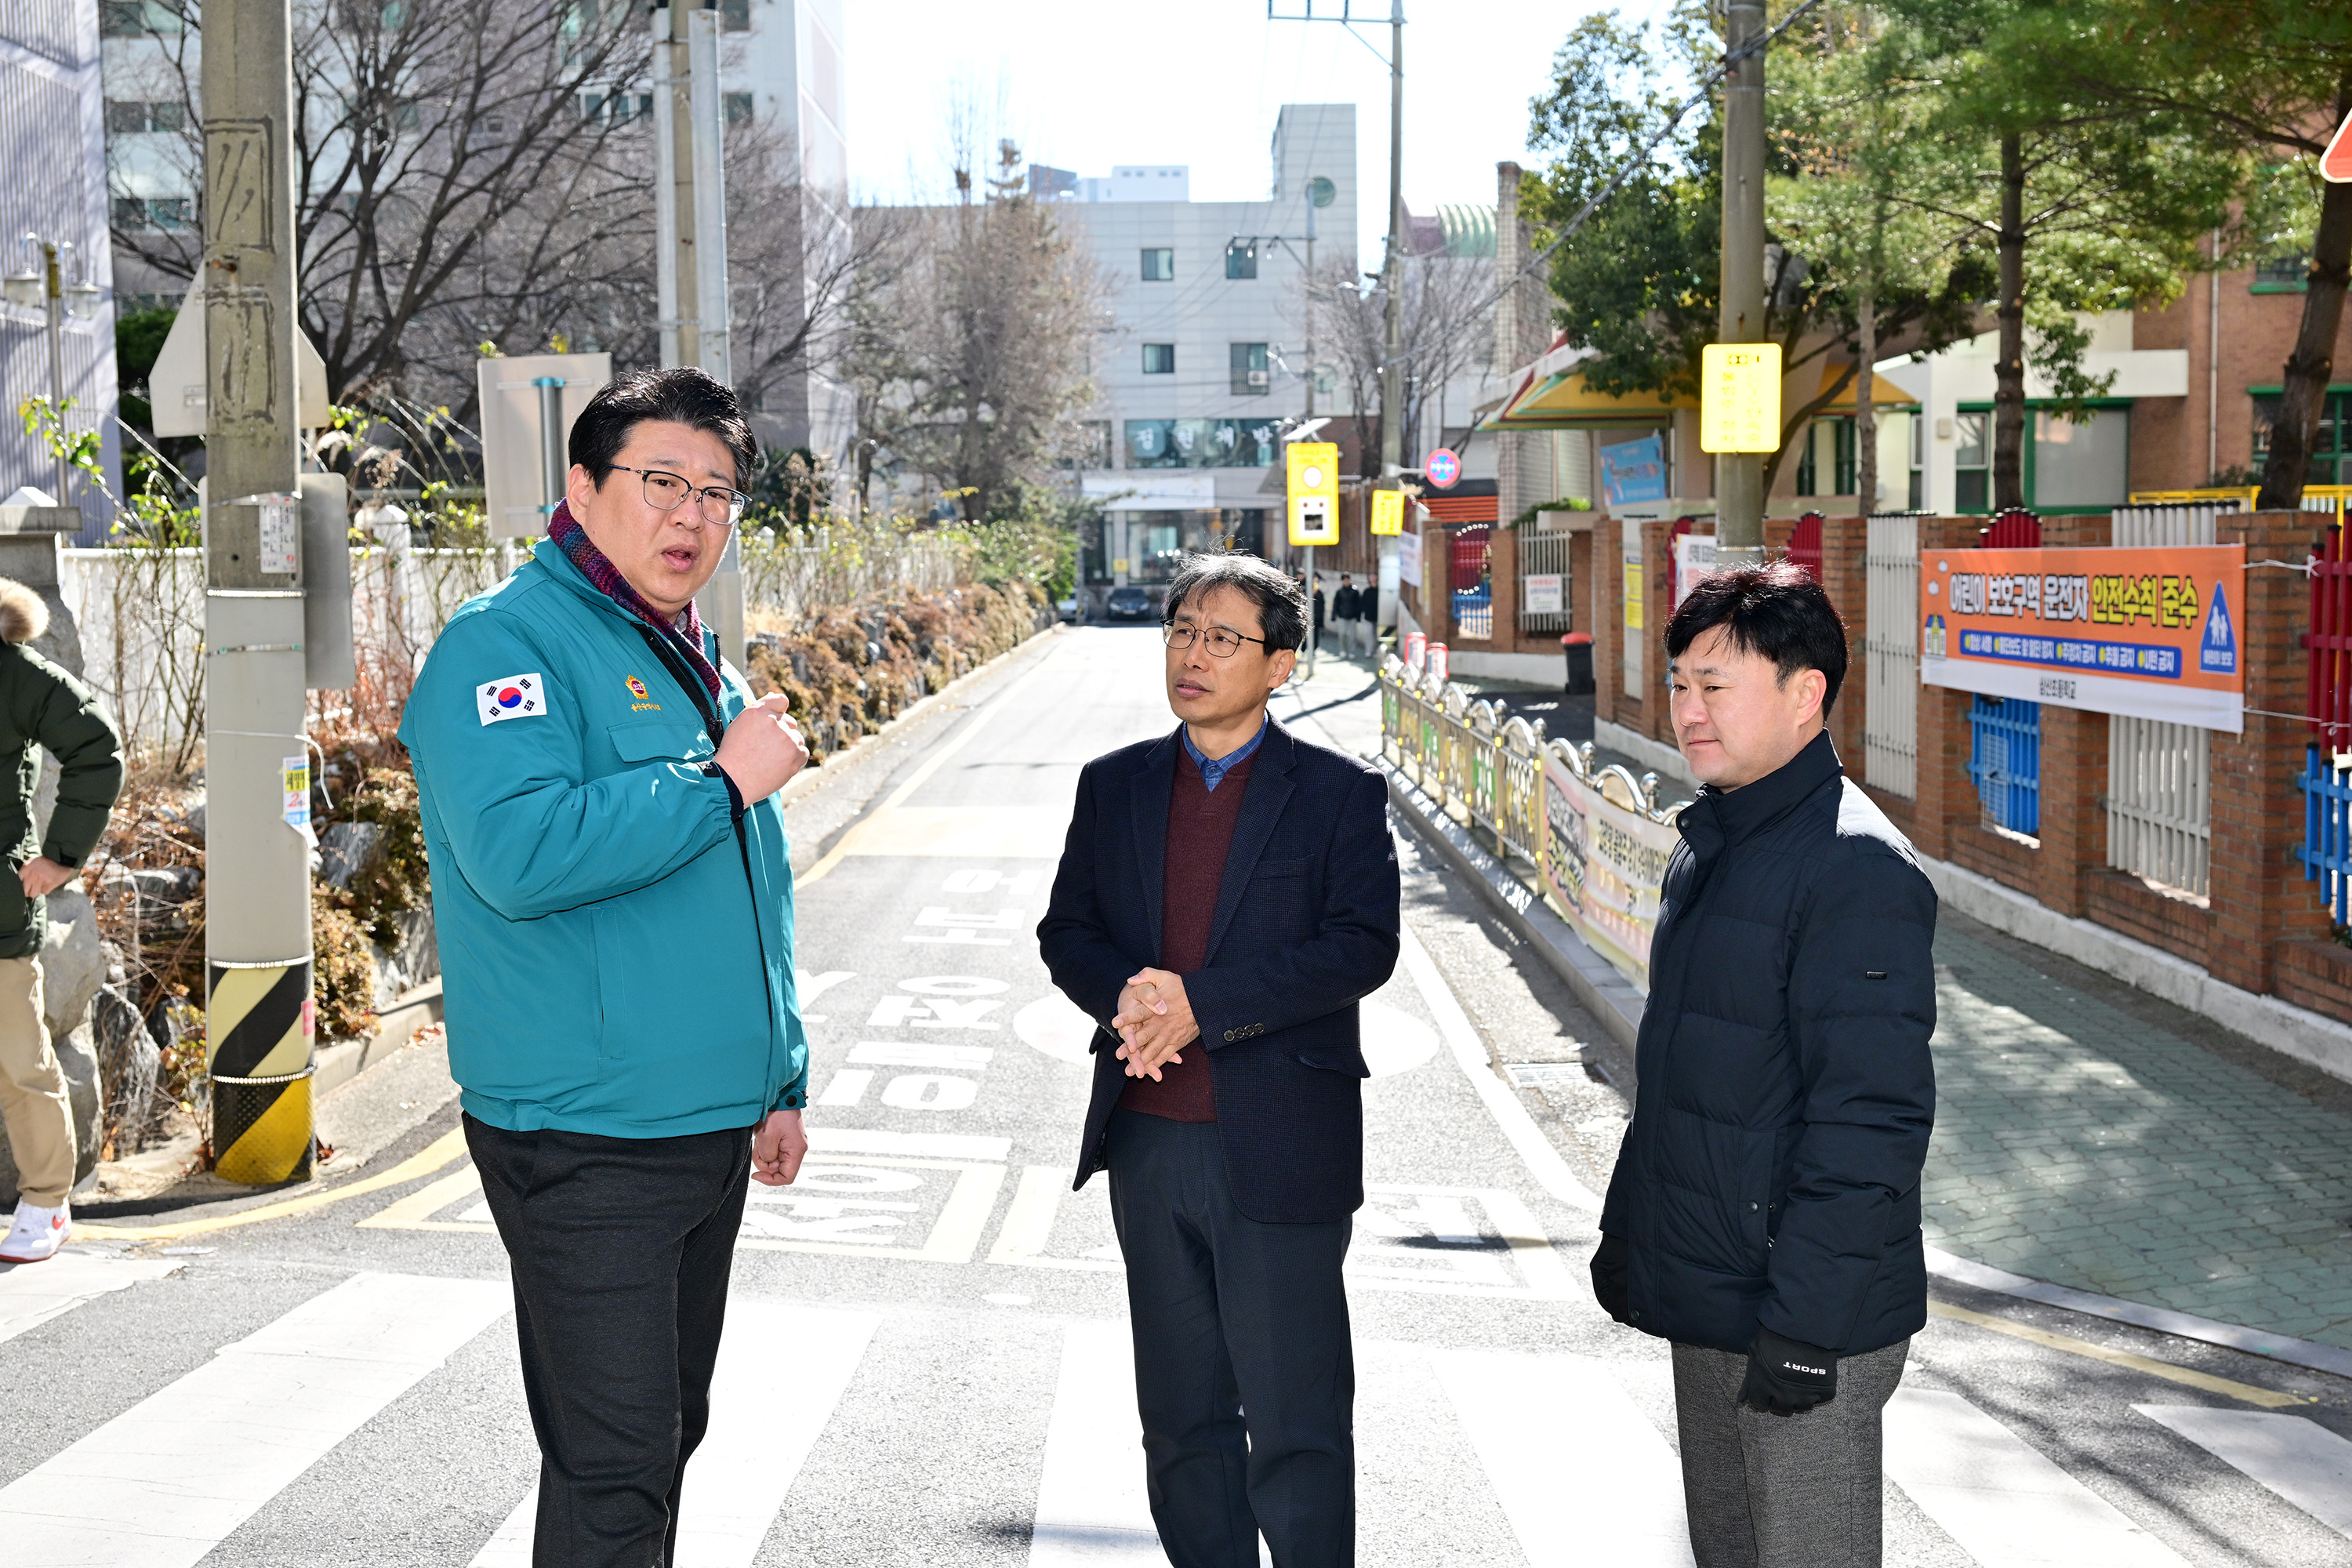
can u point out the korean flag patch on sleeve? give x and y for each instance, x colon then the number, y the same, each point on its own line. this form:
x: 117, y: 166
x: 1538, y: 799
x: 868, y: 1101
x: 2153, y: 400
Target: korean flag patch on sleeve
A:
x: 512, y: 697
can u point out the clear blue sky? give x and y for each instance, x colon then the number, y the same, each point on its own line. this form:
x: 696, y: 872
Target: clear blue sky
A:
x: 1084, y: 87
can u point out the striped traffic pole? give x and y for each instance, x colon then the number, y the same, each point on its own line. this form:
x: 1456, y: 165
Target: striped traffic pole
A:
x: 259, y: 1019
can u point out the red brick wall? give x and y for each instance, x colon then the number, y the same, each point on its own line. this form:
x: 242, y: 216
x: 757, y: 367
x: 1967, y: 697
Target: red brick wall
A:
x: 2260, y: 899
x: 1946, y: 809
x: 2315, y: 973
x: 2168, y: 435
x: 2074, y: 766
x: 1844, y: 542
x: 1608, y: 622
x: 2173, y: 921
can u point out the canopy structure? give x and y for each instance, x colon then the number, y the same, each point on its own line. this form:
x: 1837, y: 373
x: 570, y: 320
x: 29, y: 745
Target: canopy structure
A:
x: 1551, y: 395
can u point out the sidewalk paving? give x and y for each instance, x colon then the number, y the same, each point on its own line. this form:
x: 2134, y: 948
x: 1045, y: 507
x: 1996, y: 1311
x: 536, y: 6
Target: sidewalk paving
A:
x: 2093, y: 1136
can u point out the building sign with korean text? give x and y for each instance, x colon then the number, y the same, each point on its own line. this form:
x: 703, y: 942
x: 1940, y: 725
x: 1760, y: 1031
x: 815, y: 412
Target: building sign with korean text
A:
x: 2147, y: 633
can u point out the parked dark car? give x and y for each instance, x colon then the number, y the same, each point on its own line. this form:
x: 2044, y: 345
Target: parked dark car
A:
x: 1128, y: 605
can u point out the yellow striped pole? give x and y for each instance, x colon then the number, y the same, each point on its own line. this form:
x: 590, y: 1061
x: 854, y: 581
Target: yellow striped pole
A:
x: 259, y: 1025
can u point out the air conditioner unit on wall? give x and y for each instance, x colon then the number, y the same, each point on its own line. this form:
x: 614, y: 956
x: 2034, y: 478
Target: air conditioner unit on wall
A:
x: 1257, y: 378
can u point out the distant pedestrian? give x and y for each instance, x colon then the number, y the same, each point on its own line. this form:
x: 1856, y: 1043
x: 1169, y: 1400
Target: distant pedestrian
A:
x: 41, y: 706
x: 1318, y: 611
x: 1764, y: 1215
x: 1368, y: 616
x: 1227, y: 894
x: 1343, y: 611
x: 612, y: 891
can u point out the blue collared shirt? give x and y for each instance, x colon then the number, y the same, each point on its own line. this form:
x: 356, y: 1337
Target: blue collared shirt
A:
x: 1213, y: 772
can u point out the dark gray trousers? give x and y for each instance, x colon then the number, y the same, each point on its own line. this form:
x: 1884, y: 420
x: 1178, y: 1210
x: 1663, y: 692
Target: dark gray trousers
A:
x: 1232, y: 1316
x: 1782, y: 1491
x: 620, y: 1249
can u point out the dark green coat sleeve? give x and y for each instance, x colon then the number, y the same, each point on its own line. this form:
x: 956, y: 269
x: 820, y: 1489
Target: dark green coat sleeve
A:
x: 67, y: 718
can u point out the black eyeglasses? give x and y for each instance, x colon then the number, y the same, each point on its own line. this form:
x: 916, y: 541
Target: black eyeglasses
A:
x: 667, y: 491
x: 1223, y: 643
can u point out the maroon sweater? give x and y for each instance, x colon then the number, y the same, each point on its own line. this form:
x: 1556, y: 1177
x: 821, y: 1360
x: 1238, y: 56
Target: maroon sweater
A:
x: 1200, y: 830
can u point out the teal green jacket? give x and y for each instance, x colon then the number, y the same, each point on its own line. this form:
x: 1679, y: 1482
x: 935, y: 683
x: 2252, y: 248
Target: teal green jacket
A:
x: 616, y: 949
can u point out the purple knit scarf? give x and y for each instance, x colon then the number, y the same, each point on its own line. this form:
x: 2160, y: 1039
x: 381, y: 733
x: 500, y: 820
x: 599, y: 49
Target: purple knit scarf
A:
x: 573, y: 540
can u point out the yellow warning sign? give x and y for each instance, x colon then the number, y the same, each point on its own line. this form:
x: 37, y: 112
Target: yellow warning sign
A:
x: 1388, y: 511
x: 1739, y: 397
x: 1314, y: 492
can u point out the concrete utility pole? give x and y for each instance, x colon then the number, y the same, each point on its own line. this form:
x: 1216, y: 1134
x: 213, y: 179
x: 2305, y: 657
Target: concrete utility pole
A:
x: 1740, y: 476
x: 1392, y: 264
x: 256, y: 767
x: 691, y: 242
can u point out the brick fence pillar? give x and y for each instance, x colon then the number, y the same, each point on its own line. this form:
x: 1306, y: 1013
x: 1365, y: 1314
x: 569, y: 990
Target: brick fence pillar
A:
x: 1608, y: 622
x: 2073, y: 766
x: 1503, y: 587
x: 1844, y: 543
x: 1657, y: 604
x: 2259, y: 897
x: 1946, y: 796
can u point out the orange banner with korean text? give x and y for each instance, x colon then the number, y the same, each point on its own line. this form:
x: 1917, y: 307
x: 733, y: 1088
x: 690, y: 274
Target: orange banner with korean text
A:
x: 2150, y: 633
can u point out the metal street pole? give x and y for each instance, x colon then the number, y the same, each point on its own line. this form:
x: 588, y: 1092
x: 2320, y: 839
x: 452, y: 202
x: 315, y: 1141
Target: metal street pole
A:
x: 690, y: 243
x: 1740, y: 476
x: 1392, y: 264
x: 256, y: 767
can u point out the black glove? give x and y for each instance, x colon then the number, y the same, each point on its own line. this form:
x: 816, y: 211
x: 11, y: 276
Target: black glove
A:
x: 1785, y: 1377
x: 1610, y: 1261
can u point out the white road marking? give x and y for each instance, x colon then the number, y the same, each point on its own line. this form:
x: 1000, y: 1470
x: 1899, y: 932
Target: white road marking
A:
x: 931, y: 1091
x: 920, y: 1145
x: 2007, y: 1504
x: 33, y: 1293
x: 1543, y: 1162
x: 899, y: 1054
x: 782, y: 1371
x: 1556, y: 1436
x: 167, y: 1480
x: 2292, y: 1455
x: 1055, y: 1025
x: 846, y: 1086
x: 1091, y: 1506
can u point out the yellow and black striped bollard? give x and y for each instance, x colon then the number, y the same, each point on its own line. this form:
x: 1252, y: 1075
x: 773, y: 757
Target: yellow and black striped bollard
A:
x: 258, y: 1028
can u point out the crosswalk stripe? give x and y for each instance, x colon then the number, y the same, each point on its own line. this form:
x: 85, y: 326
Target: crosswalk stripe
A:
x: 33, y: 1293
x: 1092, y: 1510
x: 167, y: 1480
x: 782, y: 1371
x: 2007, y: 1504
x: 1535, y: 1420
x: 2296, y: 1458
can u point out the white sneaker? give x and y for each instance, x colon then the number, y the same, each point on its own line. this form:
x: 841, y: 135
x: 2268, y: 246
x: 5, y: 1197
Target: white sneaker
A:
x: 37, y: 1234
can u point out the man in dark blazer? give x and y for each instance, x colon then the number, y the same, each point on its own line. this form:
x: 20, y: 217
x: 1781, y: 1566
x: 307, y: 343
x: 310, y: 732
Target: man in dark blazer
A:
x: 1226, y: 895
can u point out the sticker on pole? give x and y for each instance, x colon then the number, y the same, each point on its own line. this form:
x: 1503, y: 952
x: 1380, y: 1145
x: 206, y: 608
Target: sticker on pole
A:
x: 1388, y: 512
x: 512, y: 697
x: 2336, y: 164
x: 1739, y: 397
x: 294, y: 790
x: 1443, y: 468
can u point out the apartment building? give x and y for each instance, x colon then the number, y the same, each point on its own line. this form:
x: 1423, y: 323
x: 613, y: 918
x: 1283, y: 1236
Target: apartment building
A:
x: 52, y: 122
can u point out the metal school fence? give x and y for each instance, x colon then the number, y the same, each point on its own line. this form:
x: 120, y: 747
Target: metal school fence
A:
x: 1485, y: 767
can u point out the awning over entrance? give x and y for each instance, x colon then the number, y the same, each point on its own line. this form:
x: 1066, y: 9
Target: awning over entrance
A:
x: 1883, y: 394
x: 1551, y: 395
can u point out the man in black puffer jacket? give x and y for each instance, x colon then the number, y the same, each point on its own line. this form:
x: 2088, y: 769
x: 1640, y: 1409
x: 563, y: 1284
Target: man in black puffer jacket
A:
x: 1764, y: 1215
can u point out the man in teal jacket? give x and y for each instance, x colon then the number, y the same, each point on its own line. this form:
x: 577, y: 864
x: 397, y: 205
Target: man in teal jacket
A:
x: 613, y: 896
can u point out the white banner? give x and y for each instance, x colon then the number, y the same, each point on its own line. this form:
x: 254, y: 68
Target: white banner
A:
x: 1409, y: 558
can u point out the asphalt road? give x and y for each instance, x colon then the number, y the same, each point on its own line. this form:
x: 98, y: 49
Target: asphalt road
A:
x: 926, y: 1361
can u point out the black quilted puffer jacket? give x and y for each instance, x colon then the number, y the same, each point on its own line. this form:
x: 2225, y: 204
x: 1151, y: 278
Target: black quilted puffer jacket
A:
x: 1771, y: 1171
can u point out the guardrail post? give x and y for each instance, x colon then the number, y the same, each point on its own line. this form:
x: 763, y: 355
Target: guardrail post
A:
x: 2258, y: 893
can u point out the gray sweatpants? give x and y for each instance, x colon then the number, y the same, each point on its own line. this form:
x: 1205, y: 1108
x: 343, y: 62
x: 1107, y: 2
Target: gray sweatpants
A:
x: 1782, y: 1491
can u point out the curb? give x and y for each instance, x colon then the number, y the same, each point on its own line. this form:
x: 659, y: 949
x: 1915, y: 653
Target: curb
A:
x: 1608, y: 995
x: 2162, y: 1319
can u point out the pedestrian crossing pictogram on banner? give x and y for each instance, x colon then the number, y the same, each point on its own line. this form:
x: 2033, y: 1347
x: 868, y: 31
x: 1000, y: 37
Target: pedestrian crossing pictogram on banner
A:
x: 1569, y: 1453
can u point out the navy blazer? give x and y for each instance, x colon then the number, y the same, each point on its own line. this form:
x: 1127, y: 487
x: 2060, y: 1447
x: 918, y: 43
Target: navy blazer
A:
x: 1306, y: 924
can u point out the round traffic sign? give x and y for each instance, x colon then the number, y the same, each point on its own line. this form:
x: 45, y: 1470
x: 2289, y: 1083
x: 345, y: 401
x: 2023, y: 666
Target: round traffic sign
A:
x: 1443, y: 468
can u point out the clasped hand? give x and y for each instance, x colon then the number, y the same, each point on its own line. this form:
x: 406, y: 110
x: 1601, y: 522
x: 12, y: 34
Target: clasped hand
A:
x: 1154, y: 1022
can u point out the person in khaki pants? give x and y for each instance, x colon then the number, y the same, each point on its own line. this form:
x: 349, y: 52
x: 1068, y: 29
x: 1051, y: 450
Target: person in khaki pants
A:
x: 41, y: 706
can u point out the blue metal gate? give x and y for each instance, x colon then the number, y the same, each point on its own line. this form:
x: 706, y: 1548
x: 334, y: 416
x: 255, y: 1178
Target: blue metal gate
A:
x: 2005, y: 761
